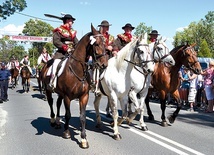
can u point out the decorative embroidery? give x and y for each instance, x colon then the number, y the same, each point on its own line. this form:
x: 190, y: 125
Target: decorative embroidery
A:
x: 65, y: 32
x: 125, y: 37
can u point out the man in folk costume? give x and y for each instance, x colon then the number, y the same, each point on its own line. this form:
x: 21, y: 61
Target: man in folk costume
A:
x: 153, y: 36
x: 108, y: 38
x: 43, y: 59
x: 123, y: 39
x: 65, y: 40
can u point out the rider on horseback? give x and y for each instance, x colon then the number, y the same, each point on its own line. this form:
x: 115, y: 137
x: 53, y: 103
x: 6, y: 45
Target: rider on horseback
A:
x: 43, y: 59
x: 64, y: 38
x: 25, y: 62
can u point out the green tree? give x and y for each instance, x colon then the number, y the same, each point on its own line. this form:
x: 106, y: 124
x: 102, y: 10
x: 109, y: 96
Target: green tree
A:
x: 42, y: 29
x: 204, y: 50
x: 141, y: 29
x: 9, y: 7
x: 10, y: 49
x: 197, y: 32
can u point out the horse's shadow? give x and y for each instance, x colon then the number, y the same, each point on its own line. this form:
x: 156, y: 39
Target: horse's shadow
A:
x: 42, y: 125
x: 21, y: 91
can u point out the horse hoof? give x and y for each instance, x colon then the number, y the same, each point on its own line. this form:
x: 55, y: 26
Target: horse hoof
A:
x: 66, y: 134
x: 164, y: 124
x: 53, y: 124
x: 84, y: 144
x: 144, y: 128
x: 117, y: 137
x: 171, y: 119
x: 58, y: 126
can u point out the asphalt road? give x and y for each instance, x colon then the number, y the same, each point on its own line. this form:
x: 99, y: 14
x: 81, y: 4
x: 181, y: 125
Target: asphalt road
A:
x: 25, y: 129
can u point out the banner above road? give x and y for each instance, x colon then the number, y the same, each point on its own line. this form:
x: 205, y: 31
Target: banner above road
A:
x: 28, y: 38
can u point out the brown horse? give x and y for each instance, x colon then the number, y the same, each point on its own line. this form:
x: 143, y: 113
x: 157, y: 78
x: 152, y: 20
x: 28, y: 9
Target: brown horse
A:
x: 166, y: 79
x: 25, y: 75
x: 74, y: 81
x: 14, y: 76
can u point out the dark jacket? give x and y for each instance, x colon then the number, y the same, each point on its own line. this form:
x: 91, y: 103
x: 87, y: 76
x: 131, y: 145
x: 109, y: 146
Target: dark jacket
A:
x: 61, y: 38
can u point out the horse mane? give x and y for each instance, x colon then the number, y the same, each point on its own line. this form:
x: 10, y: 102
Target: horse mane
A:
x: 122, y: 54
x: 174, y: 50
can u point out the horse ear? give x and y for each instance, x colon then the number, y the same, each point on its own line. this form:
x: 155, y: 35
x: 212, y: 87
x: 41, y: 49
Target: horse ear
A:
x: 145, y: 35
x: 93, y: 30
x: 193, y: 44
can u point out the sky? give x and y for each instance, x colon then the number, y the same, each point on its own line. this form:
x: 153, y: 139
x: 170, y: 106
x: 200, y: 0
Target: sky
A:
x: 166, y: 16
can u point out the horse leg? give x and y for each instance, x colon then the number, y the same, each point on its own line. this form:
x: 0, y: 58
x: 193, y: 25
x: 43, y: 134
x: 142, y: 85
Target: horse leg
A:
x: 39, y: 85
x: 50, y: 102
x: 149, y: 112
x: 108, y: 109
x: 123, y: 104
x: 58, y: 119
x: 82, y: 103
x: 172, y: 117
x: 28, y: 85
x: 162, y: 96
x: 113, y: 106
x: 66, y: 133
x: 96, y: 107
x: 132, y: 98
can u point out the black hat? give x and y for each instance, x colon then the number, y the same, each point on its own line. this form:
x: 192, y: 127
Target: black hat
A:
x: 104, y: 23
x: 68, y: 16
x: 128, y: 25
x: 154, y: 32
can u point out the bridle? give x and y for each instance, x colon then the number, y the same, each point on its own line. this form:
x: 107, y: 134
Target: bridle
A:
x: 192, y: 55
x: 142, y: 64
x: 157, y: 49
x: 95, y: 57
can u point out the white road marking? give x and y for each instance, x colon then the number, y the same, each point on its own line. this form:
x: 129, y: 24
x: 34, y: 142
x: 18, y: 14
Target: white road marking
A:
x: 144, y: 134
x: 3, y: 116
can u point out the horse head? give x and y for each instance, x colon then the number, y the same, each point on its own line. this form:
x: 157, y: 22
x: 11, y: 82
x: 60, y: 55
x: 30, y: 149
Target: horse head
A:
x: 161, y: 52
x: 191, y: 61
x: 144, y: 55
x: 97, y: 50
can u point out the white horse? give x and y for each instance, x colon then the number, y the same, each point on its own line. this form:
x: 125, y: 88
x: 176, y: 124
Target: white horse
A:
x: 116, y: 79
x: 140, y: 82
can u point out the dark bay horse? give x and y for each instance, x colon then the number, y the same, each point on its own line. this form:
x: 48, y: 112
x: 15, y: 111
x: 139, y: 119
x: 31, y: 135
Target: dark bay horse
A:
x: 74, y: 82
x: 166, y: 79
x: 14, y: 76
x: 25, y: 75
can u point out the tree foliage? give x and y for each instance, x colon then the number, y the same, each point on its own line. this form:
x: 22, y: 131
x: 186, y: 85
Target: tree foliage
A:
x: 201, y: 33
x: 9, y: 7
x: 10, y: 49
x: 42, y: 29
x: 141, y: 29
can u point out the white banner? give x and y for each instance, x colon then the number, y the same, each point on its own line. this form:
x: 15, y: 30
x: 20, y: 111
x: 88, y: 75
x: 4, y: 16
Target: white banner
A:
x: 28, y: 38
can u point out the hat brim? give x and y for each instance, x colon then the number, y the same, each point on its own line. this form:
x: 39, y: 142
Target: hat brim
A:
x: 129, y: 27
x: 104, y: 25
x: 68, y: 18
x: 154, y: 34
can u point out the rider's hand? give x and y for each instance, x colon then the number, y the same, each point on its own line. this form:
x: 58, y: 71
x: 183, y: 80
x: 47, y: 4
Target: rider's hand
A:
x: 65, y: 47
